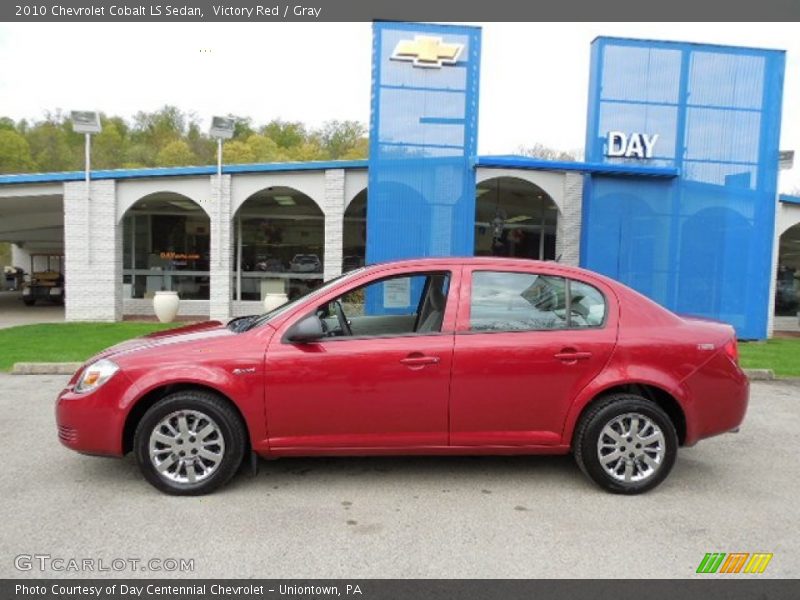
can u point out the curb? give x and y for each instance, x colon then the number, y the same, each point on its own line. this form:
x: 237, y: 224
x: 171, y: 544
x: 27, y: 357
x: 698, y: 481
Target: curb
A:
x: 760, y: 374
x: 37, y: 368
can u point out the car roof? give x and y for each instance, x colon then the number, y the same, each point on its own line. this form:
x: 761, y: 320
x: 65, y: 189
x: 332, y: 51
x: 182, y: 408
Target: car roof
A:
x: 484, y: 261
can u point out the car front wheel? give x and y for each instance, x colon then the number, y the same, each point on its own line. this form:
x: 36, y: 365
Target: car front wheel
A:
x: 190, y: 443
x: 626, y: 444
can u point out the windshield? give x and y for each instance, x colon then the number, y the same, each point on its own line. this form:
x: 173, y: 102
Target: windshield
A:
x: 245, y: 323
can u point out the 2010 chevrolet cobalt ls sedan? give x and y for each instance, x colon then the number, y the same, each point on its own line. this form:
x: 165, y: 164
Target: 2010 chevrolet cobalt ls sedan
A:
x: 430, y: 356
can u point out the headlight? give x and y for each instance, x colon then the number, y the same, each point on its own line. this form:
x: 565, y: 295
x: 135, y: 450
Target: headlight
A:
x: 96, y: 375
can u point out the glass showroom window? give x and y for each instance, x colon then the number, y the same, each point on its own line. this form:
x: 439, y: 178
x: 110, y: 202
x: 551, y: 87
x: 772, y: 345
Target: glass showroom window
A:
x: 279, y: 241
x: 166, y: 247
x: 514, y: 218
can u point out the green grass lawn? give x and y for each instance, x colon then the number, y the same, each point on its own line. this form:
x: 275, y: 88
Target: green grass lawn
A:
x: 66, y: 342
x: 782, y: 355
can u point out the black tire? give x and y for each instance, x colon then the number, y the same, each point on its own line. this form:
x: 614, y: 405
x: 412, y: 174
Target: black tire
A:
x: 29, y: 301
x: 617, y: 409
x: 190, y: 404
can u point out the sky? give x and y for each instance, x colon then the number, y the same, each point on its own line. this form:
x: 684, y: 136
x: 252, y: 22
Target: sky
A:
x: 534, y: 76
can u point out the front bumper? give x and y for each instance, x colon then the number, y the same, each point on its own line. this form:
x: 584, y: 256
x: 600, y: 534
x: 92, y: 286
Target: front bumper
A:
x: 93, y: 423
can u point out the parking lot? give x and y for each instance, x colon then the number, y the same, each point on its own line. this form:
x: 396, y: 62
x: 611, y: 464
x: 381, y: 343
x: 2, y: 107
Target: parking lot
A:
x: 404, y: 517
x: 13, y: 312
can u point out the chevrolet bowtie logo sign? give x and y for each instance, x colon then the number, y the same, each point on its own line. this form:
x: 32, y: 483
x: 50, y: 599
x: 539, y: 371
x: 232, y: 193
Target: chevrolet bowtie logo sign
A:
x: 427, y: 51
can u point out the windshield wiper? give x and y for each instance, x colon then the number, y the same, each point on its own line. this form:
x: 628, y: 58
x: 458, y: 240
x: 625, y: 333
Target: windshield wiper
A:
x: 240, y: 324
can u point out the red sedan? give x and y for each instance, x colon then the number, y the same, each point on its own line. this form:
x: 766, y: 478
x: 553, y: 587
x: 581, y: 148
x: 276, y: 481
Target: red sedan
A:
x: 429, y: 356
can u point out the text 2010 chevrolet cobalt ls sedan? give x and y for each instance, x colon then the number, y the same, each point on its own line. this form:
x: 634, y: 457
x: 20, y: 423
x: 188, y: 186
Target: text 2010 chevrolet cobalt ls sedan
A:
x: 430, y: 356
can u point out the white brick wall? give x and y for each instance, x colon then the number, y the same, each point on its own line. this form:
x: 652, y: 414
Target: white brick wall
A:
x: 568, y: 228
x: 333, y: 205
x: 243, y: 308
x: 92, y: 252
x: 144, y: 307
x: 222, y: 249
x: 93, y: 246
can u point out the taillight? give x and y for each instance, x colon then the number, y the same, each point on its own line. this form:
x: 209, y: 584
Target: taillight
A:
x: 731, y: 348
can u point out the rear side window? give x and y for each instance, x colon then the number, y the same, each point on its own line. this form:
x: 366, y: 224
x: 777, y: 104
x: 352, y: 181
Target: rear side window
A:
x: 587, y: 305
x: 507, y: 301
x: 503, y: 301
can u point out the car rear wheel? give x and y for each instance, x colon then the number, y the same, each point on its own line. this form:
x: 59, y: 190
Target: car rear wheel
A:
x: 190, y: 443
x: 626, y: 444
x: 29, y: 301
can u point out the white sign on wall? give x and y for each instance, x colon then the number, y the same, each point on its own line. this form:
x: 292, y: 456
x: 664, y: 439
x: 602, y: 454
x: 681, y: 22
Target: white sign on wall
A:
x: 633, y: 145
x: 397, y: 293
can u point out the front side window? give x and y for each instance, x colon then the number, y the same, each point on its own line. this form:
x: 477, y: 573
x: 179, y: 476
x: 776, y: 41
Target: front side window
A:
x: 402, y: 305
x: 504, y: 301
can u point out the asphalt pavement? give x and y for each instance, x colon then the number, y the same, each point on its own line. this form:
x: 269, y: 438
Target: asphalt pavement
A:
x: 425, y: 517
x: 13, y: 311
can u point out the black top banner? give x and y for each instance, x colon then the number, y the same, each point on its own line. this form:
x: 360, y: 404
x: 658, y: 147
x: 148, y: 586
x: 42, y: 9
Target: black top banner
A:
x: 451, y: 11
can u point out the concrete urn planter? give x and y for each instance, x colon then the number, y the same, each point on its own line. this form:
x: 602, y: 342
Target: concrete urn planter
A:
x: 273, y: 300
x: 165, y: 305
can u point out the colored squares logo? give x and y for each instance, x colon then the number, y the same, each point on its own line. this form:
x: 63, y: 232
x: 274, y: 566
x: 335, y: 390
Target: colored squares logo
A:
x: 735, y: 562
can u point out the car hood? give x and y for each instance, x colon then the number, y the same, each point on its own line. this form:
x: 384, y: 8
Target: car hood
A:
x: 191, y: 333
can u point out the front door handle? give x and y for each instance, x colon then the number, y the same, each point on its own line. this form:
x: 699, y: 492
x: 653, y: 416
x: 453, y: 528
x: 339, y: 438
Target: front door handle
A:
x: 417, y: 361
x: 570, y: 355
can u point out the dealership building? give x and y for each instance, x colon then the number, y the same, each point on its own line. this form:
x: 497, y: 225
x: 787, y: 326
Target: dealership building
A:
x: 677, y: 196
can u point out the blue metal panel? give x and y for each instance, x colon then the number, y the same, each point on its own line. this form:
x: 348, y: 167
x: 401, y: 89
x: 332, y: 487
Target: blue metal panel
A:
x: 423, y: 142
x: 539, y: 164
x: 701, y: 243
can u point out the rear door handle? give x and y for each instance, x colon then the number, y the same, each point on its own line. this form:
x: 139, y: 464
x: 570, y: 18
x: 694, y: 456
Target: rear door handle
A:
x: 572, y: 355
x: 419, y: 361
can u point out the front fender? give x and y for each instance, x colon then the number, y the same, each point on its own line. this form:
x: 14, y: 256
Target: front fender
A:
x: 244, y: 390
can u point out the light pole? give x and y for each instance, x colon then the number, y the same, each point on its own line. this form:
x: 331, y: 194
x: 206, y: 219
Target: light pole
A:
x: 222, y: 129
x: 87, y: 122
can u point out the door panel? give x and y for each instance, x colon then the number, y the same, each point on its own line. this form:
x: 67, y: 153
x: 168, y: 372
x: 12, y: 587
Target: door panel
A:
x: 516, y: 387
x: 354, y: 391
x: 359, y: 392
x: 512, y: 389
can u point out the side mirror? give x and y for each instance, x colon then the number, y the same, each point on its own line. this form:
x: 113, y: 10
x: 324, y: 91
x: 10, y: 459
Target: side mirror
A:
x: 308, y: 329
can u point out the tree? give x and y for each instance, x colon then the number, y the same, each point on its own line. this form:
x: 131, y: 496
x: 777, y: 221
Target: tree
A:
x: 237, y: 152
x: 108, y: 146
x: 159, y: 128
x: 51, y: 148
x: 243, y: 127
x: 202, y: 146
x: 284, y: 133
x: 541, y: 151
x: 264, y: 149
x: 15, y: 153
x: 176, y: 154
x: 360, y: 150
x: 306, y: 151
x: 170, y: 136
x: 337, y: 138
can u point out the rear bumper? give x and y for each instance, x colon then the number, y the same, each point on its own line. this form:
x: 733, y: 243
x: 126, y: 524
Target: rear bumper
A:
x: 720, y: 393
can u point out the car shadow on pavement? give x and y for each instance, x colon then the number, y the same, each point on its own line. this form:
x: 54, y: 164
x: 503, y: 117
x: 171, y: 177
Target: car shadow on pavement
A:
x: 420, y: 471
x: 436, y: 471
